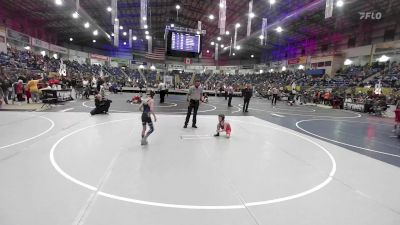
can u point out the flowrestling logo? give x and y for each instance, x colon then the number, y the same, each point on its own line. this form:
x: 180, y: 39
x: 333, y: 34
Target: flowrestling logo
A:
x: 370, y: 15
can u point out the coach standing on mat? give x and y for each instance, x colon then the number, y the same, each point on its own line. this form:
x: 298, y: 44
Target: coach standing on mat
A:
x: 194, y: 97
x: 247, y: 93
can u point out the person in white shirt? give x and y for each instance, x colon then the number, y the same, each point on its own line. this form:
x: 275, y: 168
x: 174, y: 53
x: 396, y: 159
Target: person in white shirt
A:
x: 230, y: 95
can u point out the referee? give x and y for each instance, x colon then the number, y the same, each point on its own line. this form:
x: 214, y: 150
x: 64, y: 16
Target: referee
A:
x: 194, y: 97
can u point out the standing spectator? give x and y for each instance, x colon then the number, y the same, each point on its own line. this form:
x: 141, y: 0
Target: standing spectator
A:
x: 230, y: 95
x: 2, y: 96
x: 19, y: 89
x: 275, y: 93
x: 194, y: 97
x: 161, y: 89
x: 33, y: 89
x: 247, y: 93
x: 4, y: 85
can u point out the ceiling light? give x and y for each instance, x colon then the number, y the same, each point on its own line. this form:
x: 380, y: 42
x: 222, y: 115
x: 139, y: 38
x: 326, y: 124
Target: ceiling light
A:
x: 109, y: 9
x: 146, y: 32
x: 252, y: 15
x: 211, y: 17
x: 339, y: 3
x: 112, y: 34
x: 261, y: 37
x: 144, y: 18
x: 198, y: 32
x: 153, y: 67
x: 71, y: 39
x: 221, y: 5
x: 284, y: 68
x: 43, y: 53
x: 148, y: 37
x: 121, y: 27
x: 145, y: 26
x: 208, y: 51
x: 141, y: 67
x: 58, y: 2
x: 212, y: 43
x: 271, y: 2
x: 252, y: 56
x: 172, y: 25
x: 219, y: 38
x: 383, y: 58
x: 75, y: 15
x: 124, y: 33
x: 95, y: 33
x: 279, y: 29
x: 233, y: 54
x: 124, y: 42
x: 177, y: 7
x: 87, y: 25
x: 134, y: 38
x: 271, y: 70
x: 94, y: 41
x: 27, y: 48
x: 227, y: 32
x: 238, y: 47
x: 301, y: 67
x: 237, y: 25
x: 222, y: 46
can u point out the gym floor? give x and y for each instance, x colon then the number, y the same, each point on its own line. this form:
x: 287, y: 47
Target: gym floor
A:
x: 282, y: 165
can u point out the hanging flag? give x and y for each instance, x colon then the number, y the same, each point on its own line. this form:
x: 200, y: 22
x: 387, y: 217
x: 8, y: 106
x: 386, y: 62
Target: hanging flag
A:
x: 114, y: 12
x: 116, y: 33
x: 63, y: 69
x: 216, y: 52
x: 222, y: 17
x: 150, y: 45
x: 249, y: 18
x: 230, y: 48
x: 328, y: 9
x: 143, y: 13
x: 264, y: 31
x: 187, y: 61
x: 130, y: 38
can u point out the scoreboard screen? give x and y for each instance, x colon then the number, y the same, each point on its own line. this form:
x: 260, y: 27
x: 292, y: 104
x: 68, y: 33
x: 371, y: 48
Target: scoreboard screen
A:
x: 185, y: 42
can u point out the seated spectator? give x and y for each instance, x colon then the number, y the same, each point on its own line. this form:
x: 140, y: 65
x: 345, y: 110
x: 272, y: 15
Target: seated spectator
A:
x: 102, y: 105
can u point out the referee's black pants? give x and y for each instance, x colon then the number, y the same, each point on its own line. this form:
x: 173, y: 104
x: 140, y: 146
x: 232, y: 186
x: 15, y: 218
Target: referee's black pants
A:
x: 193, y: 105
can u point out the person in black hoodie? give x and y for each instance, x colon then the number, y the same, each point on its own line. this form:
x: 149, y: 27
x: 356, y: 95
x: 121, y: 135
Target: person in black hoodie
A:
x: 247, y: 93
x: 102, y: 105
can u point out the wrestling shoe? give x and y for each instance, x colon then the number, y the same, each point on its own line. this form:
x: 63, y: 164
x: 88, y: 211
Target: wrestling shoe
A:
x: 185, y: 126
x: 216, y: 135
x: 194, y: 126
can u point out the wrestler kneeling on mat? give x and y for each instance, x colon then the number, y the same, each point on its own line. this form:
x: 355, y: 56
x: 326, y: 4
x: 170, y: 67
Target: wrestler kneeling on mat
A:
x: 223, y: 126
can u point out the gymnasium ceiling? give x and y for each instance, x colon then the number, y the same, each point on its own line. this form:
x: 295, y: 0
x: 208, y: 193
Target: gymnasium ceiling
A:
x: 300, y: 26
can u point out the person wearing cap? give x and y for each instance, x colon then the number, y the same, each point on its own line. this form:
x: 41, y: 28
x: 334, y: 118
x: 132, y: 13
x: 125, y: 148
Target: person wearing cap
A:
x: 194, y: 97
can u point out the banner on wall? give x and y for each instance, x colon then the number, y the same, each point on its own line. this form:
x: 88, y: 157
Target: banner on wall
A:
x: 175, y: 67
x: 210, y: 68
x: 58, y: 49
x: 247, y: 67
x: 229, y: 68
x: 39, y: 43
x: 17, y: 36
x: 387, y: 47
x: 120, y: 62
x: 99, y: 57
